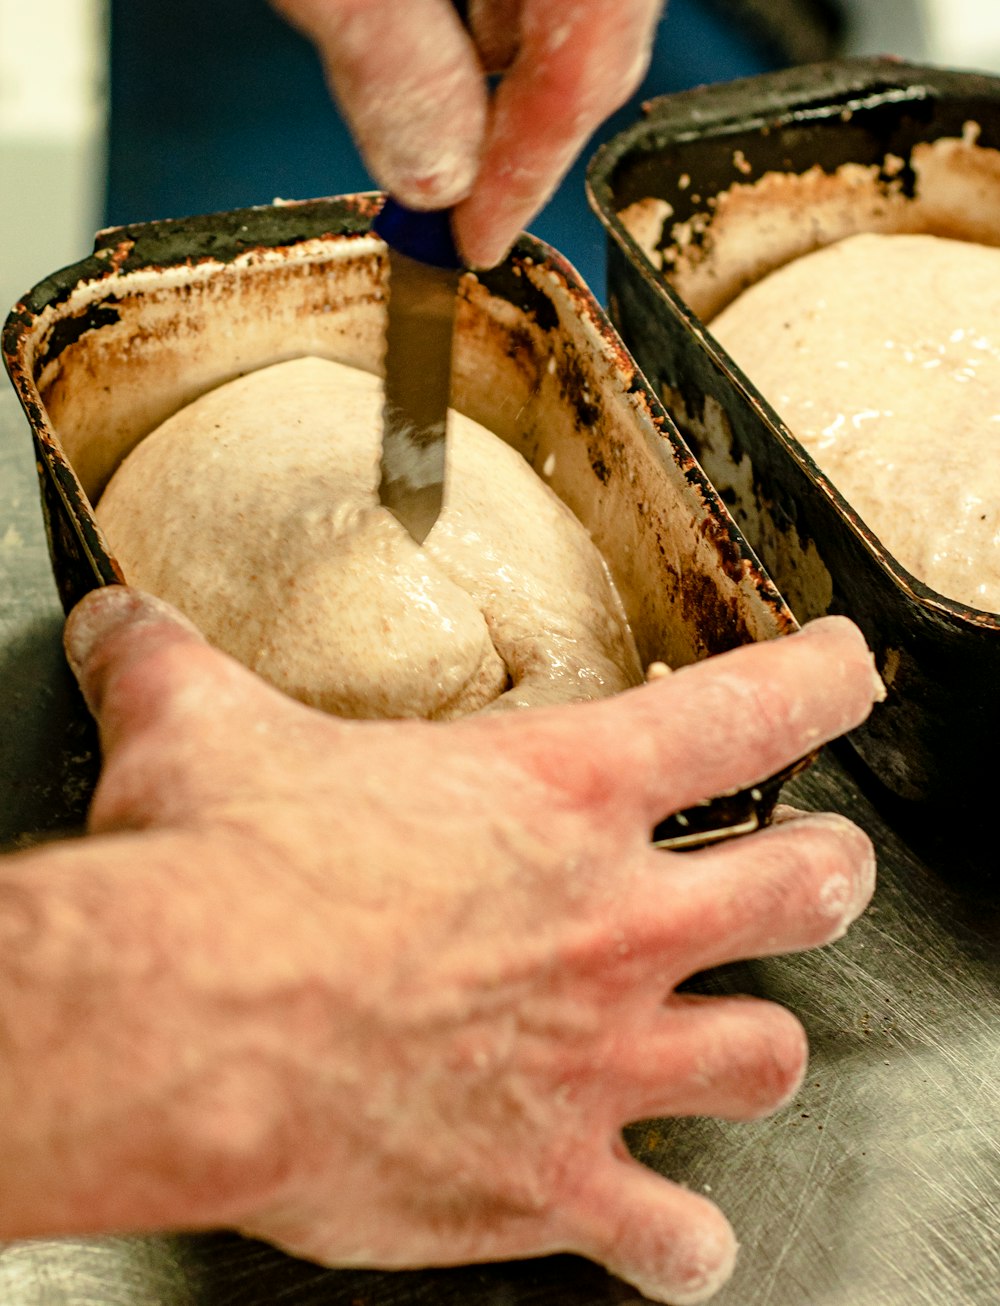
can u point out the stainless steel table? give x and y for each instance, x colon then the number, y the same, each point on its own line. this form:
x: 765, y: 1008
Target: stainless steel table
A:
x: 880, y: 1186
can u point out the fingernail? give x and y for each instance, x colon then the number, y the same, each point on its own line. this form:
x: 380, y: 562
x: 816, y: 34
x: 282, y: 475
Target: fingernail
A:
x: 103, y: 611
x: 93, y: 619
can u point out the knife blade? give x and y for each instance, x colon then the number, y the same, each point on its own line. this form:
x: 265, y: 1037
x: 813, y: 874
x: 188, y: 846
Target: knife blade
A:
x: 424, y: 273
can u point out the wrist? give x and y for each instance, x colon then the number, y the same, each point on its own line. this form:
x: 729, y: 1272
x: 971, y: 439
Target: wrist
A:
x: 126, y: 1103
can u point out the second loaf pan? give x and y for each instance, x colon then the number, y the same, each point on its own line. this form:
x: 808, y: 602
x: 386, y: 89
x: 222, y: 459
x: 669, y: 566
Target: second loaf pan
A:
x: 692, y: 213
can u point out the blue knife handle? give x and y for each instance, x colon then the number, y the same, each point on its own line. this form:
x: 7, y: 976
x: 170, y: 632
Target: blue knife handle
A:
x: 423, y: 236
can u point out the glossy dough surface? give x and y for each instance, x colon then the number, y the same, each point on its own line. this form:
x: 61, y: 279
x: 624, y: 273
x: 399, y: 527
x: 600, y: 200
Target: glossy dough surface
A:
x: 255, y: 511
x: 882, y: 355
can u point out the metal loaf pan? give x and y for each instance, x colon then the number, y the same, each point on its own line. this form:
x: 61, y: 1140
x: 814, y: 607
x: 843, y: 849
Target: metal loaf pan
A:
x: 104, y: 351
x: 712, y: 190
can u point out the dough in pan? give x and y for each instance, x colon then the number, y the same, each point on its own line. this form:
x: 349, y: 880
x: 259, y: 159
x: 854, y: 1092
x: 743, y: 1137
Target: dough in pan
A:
x: 255, y: 511
x: 882, y: 355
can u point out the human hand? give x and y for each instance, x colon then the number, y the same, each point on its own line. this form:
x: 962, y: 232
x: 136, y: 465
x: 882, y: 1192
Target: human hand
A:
x: 384, y: 993
x: 413, y: 89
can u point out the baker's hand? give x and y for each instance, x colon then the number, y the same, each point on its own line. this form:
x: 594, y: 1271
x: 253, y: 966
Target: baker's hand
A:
x: 411, y: 81
x: 386, y: 993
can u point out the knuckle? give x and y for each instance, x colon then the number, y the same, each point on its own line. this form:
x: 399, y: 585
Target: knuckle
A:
x: 572, y: 767
x: 144, y: 679
x: 114, y: 809
x: 140, y: 787
x: 768, y: 899
x: 745, y: 717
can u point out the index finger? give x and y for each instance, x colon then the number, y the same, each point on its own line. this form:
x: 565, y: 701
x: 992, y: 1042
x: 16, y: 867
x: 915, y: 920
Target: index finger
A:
x: 409, y: 83
x: 735, y: 719
x: 575, y: 64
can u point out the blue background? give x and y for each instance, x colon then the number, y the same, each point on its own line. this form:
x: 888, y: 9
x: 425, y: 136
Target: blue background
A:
x: 216, y: 104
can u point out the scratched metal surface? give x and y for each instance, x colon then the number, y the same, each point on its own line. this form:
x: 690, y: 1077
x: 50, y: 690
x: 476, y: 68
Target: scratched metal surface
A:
x: 879, y: 1186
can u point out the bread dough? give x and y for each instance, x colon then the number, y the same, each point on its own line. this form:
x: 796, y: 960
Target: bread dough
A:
x: 255, y: 511
x: 882, y: 355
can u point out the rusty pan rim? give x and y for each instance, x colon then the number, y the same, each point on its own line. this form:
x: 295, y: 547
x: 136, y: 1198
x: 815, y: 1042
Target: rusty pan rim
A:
x: 226, y: 236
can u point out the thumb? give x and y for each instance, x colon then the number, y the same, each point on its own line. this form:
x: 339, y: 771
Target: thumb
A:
x: 134, y: 656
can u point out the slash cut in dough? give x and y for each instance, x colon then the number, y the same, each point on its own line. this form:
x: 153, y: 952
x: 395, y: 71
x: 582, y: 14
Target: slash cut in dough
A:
x: 254, y: 510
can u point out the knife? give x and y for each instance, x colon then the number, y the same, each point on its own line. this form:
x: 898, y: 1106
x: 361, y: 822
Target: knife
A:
x: 424, y: 272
